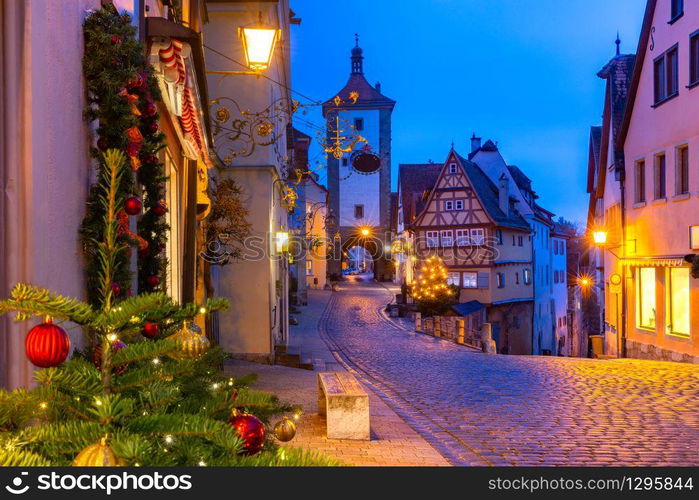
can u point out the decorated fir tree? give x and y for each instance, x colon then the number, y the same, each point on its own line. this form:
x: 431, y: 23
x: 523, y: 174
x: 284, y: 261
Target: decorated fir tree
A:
x: 431, y: 291
x: 147, y: 391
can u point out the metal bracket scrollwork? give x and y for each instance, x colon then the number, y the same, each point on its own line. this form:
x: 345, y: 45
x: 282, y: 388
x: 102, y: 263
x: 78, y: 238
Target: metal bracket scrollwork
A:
x: 238, y: 132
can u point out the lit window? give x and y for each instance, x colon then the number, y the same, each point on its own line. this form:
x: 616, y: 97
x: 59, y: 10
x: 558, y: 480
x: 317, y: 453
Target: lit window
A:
x: 448, y: 205
x: 452, y: 168
x: 477, y: 236
x: 462, y: 238
x: 453, y: 279
x: 498, y: 236
x: 679, y: 301
x: 527, y: 274
x: 645, y: 298
x: 432, y: 239
x: 470, y: 280
x: 459, y: 204
x: 447, y: 238
x: 309, y: 267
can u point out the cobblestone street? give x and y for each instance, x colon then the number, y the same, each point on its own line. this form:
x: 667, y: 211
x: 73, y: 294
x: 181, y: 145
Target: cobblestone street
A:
x: 479, y: 409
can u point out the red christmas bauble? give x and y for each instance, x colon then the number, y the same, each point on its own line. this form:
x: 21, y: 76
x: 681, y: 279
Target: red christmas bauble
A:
x: 153, y: 281
x: 153, y: 127
x: 251, y: 430
x: 133, y: 206
x: 47, y: 345
x: 159, y: 209
x: 97, y: 355
x: 116, y: 39
x: 149, y: 109
x: 116, y: 289
x: 150, y: 330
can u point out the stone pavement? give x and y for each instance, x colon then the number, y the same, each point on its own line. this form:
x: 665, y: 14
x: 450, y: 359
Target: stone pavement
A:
x: 393, y: 442
x: 479, y: 409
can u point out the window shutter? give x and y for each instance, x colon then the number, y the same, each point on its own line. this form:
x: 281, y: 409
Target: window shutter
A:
x: 483, y: 279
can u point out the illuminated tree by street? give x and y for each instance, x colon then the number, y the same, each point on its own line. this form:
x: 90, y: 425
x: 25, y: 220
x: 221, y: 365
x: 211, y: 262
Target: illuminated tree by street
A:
x: 432, y: 294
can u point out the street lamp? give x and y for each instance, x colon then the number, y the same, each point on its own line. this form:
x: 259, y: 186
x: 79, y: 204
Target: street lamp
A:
x: 599, y: 236
x: 365, y: 231
x: 259, y: 41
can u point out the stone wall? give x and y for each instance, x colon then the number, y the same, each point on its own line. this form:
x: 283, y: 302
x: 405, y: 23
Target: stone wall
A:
x: 640, y: 350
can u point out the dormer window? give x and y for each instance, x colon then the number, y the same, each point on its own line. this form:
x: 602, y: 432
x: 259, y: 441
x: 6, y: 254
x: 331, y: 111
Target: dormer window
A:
x: 452, y: 168
x: 448, y: 205
x: 459, y: 205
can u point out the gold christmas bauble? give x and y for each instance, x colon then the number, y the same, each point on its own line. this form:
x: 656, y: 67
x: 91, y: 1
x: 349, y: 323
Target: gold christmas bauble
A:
x: 285, y: 430
x: 97, y: 455
x: 192, y: 343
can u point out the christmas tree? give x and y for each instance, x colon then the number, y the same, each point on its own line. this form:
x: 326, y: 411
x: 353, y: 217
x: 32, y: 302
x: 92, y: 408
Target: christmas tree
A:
x: 147, y: 391
x: 432, y: 294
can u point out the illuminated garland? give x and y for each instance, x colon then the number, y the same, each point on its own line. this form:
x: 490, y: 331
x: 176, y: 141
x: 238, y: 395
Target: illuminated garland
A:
x: 121, y: 95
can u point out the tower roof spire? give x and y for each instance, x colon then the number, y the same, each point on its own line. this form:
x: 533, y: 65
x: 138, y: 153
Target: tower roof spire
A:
x: 618, y: 43
x: 357, y: 57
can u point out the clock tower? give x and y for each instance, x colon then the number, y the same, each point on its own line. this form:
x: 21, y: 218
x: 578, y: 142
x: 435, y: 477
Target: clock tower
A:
x: 359, y: 182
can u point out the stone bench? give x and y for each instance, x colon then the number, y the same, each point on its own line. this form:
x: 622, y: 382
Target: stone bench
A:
x: 344, y: 404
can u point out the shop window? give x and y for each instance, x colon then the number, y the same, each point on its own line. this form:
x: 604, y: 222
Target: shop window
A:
x: 470, y: 279
x: 678, y: 297
x: 453, y: 279
x: 645, y: 298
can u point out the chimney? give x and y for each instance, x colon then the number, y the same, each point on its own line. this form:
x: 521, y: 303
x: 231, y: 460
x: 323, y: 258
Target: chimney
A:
x: 378, y: 86
x: 475, y: 143
x: 504, y: 194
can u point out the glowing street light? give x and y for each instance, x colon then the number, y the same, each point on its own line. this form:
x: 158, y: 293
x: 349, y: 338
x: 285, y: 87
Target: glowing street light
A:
x: 365, y: 231
x: 259, y: 41
x: 599, y: 236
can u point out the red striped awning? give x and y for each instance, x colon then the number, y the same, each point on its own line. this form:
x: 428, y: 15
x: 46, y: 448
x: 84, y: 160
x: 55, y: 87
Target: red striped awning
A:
x: 176, y: 73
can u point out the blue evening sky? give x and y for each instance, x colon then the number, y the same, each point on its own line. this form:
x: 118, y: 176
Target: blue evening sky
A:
x: 520, y: 72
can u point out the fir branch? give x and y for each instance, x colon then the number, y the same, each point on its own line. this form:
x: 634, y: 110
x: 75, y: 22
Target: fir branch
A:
x: 22, y: 458
x: 30, y: 300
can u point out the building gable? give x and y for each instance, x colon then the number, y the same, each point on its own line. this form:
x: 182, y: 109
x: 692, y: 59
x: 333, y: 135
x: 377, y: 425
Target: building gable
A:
x: 453, y: 201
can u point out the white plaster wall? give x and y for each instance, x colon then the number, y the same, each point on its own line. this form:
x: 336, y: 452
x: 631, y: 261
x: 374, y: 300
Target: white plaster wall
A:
x: 46, y: 167
x: 357, y: 189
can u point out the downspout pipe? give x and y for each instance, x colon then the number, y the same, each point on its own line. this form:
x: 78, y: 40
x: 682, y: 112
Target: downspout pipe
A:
x: 621, y: 175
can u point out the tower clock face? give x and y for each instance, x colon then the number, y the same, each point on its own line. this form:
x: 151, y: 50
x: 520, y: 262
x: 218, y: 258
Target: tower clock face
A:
x: 365, y: 163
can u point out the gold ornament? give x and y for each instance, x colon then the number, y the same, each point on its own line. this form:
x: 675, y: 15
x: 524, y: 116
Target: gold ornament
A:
x: 192, y: 343
x: 285, y: 430
x: 97, y: 455
x: 264, y: 129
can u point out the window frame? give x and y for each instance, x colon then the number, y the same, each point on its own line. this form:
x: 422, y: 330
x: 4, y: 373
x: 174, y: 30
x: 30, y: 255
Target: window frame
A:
x: 659, y: 175
x: 450, y: 275
x: 676, y: 10
x: 670, y: 303
x: 361, y: 209
x: 432, y: 237
x: 449, y: 205
x: 453, y: 168
x: 667, y: 78
x: 639, y: 300
x: 477, y: 240
x: 465, y: 280
x: 639, y: 180
x: 681, y: 170
x: 500, y: 279
x: 450, y: 237
x: 693, y: 59
x: 463, y: 239
x: 458, y: 204
x: 527, y: 276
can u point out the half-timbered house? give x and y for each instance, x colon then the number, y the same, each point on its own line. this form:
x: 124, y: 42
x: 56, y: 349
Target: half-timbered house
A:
x: 472, y: 224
